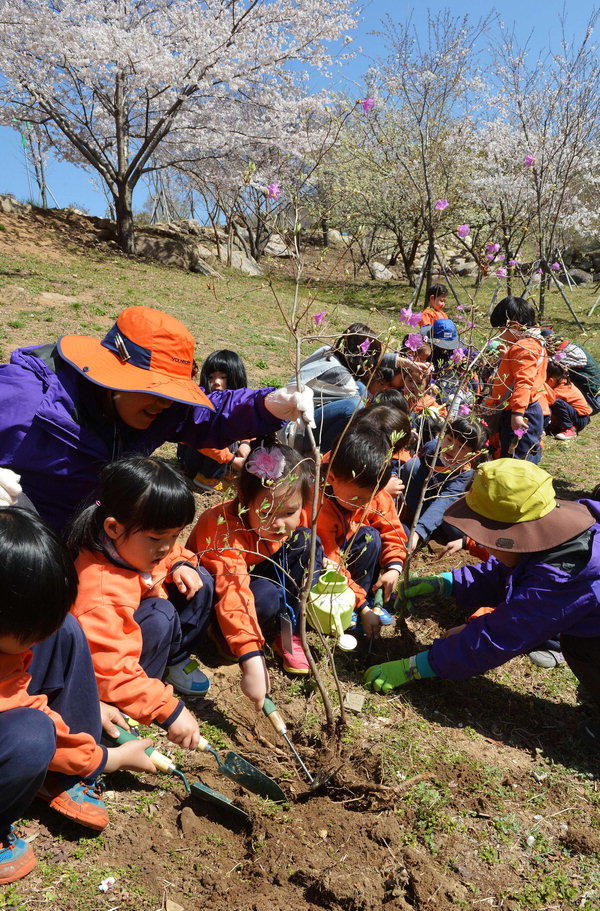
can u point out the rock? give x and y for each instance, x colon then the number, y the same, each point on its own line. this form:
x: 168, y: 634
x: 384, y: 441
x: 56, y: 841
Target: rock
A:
x: 277, y: 247
x: 49, y: 297
x: 335, y: 238
x: 166, y: 250
x: 381, y: 272
x: 203, y: 268
x: 579, y: 277
x: 246, y: 264
x: 9, y: 205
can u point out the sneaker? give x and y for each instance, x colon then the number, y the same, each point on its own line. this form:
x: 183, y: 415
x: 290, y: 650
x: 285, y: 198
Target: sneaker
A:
x: 80, y: 802
x: 568, y: 434
x: 187, y: 678
x: 546, y: 657
x: 16, y: 858
x: 294, y: 662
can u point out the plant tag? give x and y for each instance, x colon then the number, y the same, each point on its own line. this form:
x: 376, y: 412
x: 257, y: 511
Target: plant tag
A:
x: 286, y: 632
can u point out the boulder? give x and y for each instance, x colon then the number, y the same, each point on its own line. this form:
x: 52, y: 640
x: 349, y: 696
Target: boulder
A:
x: 9, y: 205
x: 381, y: 272
x: 334, y: 238
x: 580, y: 277
x: 247, y: 265
x: 169, y: 251
x: 277, y: 247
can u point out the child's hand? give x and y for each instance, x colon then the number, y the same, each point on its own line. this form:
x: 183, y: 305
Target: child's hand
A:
x: 187, y: 580
x: 451, y: 548
x: 131, y: 756
x: 518, y: 422
x: 184, y: 731
x: 255, y: 680
x: 394, y: 487
x: 111, y: 716
x: 454, y: 630
x: 371, y: 623
x: 413, y: 542
x: 388, y: 581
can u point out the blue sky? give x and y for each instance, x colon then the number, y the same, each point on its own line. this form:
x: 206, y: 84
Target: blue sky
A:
x: 73, y: 186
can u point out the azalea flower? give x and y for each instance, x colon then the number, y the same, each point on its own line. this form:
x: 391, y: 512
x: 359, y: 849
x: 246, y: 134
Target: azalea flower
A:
x: 492, y: 248
x: 464, y: 410
x: 556, y: 267
x: 490, y: 257
x: 367, y: 104
x: 441, y: 204
x: 457, y: 356
x: 407, y: 316
x: 273, y: 191
x: 501, y: 273
x: 559, y: 355
x: 520, y: 432
x: 414, y: 341
x: 319, y: 317
x: 463, y: 231
x: 539, y: 271
x: 529, y: 159
x: 364, y: 346
x: 501, y: 257
x: 512, y: 262
x: 460, y: 307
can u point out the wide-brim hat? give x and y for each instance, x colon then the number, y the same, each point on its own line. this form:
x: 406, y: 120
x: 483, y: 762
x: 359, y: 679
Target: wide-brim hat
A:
x: 512, y: 506
x: 146, y: 351
x: 442, y: 333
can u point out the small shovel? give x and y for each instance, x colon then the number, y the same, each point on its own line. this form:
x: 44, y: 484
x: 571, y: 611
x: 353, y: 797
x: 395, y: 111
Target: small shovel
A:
x: 239, y: 769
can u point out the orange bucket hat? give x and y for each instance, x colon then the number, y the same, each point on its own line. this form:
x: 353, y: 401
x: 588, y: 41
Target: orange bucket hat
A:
x: 145, y: 351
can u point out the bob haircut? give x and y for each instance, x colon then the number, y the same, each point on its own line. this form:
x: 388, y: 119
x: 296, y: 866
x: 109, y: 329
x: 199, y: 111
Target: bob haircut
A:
x: 37, y: 575
x: 392, y: 423
x: 297, y: 474
x: 362, y: 458
x: 142, y: 493
x: 347, y: 348
x: 227, y: 362
x: 513, y: 309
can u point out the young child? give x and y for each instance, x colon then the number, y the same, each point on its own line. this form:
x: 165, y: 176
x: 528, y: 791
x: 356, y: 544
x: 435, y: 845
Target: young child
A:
x: 258, y: 555
x: 142, y: 600
x: 542, y: 579
x: 445, y: 478
x: 221, y: 370
x: 47, y: 743
x: 436, y: 301
x: 391, y: 422
x: 358, y: 524
x: 569, y: 411
x: 517, y: 402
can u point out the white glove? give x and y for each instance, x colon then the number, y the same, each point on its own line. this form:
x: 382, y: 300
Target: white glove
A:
x: 9, y: 487
x: 290, y: 405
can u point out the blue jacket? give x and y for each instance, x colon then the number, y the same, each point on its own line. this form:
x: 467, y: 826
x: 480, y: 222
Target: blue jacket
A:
x: 547, y: 593
x: 53, y: 431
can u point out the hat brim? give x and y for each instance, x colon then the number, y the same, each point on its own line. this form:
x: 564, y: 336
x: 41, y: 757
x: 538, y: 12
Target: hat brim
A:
x: 100, y: 366
x: 445, y: 343
x: 567, y: 520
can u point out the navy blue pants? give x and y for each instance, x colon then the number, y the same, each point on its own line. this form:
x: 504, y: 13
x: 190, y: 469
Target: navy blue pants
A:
x: 529, y: 446
x: 171, y: 628
x: 332, y: 418
x: 61, y: 669
x: 565, y: 416
x: 362, y: 552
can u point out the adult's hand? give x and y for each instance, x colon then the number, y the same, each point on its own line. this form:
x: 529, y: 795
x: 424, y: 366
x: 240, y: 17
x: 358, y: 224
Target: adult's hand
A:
x: 289, y: 404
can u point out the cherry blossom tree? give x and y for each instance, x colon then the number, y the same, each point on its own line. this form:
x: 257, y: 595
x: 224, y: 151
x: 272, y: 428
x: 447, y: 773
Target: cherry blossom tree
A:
x: 117, y: 84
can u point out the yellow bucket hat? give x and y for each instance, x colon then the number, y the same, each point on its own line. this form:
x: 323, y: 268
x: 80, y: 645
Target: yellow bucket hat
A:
x: 512, y: 506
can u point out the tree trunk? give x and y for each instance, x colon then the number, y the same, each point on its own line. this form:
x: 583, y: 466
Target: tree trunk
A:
x: 125, y: 226
x: 325, y: 231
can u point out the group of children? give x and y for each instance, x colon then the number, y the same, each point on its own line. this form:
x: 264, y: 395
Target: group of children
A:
x: 145, y: 603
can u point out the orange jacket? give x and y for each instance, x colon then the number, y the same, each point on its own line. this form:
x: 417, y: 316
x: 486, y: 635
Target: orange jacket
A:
x: 222, y: 456
x: 228, y: 548
x: 107, y: 598
x: 336, y: 525
x: 428, y: 401
x: 430, y: 314
x: 569, y: 393
x: 76, y: 754
x: 520, y: 378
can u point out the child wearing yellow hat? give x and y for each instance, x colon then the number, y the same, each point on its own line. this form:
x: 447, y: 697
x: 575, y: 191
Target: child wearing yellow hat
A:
x: 543, y: 578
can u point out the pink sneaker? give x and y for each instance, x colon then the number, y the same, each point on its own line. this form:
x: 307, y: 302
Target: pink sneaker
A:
x: 569, y: 433
x: 294, y: 662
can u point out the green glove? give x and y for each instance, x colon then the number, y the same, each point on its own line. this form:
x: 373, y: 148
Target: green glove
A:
x: 391, y: 674
x: 424, y: 586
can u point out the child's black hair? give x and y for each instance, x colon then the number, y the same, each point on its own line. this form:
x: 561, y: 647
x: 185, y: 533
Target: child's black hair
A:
x: 297, y: 473
x: 556, y: 371
x: 227, y: 362
x: 141, y: 493
x: 362, y: 458
x: 393, y: 398
x: 436, y: 291
x: 37, y: 577
x: 392, y: 423
x: 513, y: 309
x: 361, y: 364
x: 472, y: 433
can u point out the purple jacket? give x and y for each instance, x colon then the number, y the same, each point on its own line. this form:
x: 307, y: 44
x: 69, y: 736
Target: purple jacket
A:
x: 546, y: 594
x: 54, y: 434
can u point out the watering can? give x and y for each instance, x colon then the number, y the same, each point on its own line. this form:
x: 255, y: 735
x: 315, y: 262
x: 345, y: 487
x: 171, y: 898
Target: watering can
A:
x: 330, y: 607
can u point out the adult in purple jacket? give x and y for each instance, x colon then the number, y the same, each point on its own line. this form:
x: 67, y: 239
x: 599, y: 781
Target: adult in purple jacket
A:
x: 543, y: 580
x: 66, y: 409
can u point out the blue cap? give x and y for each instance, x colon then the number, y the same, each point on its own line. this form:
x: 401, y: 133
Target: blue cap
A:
x: 444, y: 334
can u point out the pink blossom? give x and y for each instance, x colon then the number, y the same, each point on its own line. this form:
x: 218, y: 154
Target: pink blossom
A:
x: 464, y: 410
x: 367, y: 104
x: 457, y: 355
x: 441, y: 204
x: 364, y: 346
x: 407, y: 316
x: 460, y: 307
x: 529, y: 159
x: 556, y: 267
x: 490, y: 257
x: 512, y: 262
x: 492, y: 248
x: 559, y: 355
x: 470, y: 325
x: 463, y: 231
x: 539, y: 271
x: 267, y: 464
x: 520, y: 431
x: 414, y: 341
x: 319, y: 317
x: 501, y: 273
x: 273, y: 191
x: 501, y: 257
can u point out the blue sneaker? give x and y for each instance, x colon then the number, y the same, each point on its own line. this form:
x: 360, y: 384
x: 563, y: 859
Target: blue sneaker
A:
x: 16, y: 858
x: 76, y: 800
x: 187, y: 678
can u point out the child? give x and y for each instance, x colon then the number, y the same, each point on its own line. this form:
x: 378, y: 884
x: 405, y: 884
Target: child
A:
x: 436, y: 301
x: 517, y: 402
x: 258, y: 555
x: 392, y: 423
x: 542, y: 578
x: 221, y: 370
x: 569, y: 411
x: 444, y: 477
x: 43, y: 650
x: 142, y: 601
x: 358, y: 524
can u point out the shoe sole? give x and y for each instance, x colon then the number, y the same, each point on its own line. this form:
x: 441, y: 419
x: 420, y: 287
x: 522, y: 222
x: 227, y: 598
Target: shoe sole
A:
x: 65, y: 808
x: 29, y: 862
